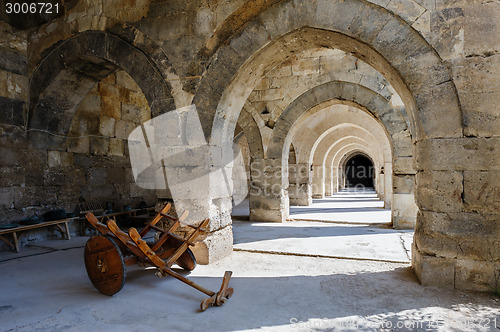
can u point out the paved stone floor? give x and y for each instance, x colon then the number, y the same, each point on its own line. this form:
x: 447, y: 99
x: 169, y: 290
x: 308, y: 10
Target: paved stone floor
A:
x: 307, y: 238
x: 51, y: 292
x: 347, y: 206
x: 295, y: 276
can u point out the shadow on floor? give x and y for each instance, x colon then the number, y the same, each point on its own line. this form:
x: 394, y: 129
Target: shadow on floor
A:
x: 149, y: 303
x: 245, y: 232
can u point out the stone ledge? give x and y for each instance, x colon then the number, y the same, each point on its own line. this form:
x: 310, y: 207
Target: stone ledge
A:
x: 214, y: 246
x: 460, y: 274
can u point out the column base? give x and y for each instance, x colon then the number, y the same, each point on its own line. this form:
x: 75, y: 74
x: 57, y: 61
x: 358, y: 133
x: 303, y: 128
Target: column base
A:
x: 268, y: 215
x: 214, y: 246
x: 458, y: 273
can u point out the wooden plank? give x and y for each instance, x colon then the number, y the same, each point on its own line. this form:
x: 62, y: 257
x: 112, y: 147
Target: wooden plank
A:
x: 184, y: 246
x: 159, y: 263
x: 155, y: 220
x: 16, y: 242
x: 9, y: 243
x: 104, y: 264
x: 125, y: 239
x: 40, y: 225
x: 68, y: 236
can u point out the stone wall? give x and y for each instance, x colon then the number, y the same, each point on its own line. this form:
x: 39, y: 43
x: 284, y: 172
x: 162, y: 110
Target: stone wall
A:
x: 94, y: 166
x: 442, y: 57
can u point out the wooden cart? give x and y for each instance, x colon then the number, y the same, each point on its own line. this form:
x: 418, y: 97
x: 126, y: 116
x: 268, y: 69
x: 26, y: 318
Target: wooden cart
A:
x: 107, y: 255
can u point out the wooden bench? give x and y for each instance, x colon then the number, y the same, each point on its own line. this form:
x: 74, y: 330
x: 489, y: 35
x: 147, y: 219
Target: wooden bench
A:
x: 62, y: 227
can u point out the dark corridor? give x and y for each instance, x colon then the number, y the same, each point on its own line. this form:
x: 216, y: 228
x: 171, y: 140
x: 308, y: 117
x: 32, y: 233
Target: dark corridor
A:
x: 359, y: 172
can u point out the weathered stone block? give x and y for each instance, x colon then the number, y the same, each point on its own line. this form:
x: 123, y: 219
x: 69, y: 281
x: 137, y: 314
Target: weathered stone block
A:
x: 403, y: 184
x: 481, y: 117
x: 110, y: 101
x: 439, y: 110
x: 79, y: 145
x: 403, y: 165
x: 116, y: 147
x: 124, y: 128
x: 475, y: 154
x: 6, y: 198
x: 91, y: 104
x: 404, y: 211
x: 138, y: 99
x: 133, y: 113
x: 99, y: 145
x: 115, y: 174
x: 214, y: 247
x: 125, y: 81
x: 432, y: 270
x: 481, y: 191
x: 10, y: 157
x: 476, y: 275
x: 107, y: 126
x: 98, y: 176
x: 308, y: 66
x: 54, y: 178
x: 266, y: 215
x: 439, y: 191
x: 477, y: 74
x: 60, y: 159
x: 481, y: 18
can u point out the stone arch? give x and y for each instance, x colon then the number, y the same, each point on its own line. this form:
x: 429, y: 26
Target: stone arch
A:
x: 329, y: 160
x: 348, y: 156
x: 73, y: 67
x: 383, y: 185
x: 414, y: 68
x: 251, y: 129
x: 320, y: 126
x: 343, y: 155
x: 319, y: 156
x: 341, y: 92
x: 375, y: 35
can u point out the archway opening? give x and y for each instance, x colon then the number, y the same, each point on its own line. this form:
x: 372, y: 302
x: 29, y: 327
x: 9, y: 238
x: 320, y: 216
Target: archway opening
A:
x: 359, y: 172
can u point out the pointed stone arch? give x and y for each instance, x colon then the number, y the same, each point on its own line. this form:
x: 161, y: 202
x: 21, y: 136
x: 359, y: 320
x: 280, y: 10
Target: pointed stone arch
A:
x: 73, y: 67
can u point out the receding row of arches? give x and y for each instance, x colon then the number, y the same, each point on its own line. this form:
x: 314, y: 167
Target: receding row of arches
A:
x: 308, y: 144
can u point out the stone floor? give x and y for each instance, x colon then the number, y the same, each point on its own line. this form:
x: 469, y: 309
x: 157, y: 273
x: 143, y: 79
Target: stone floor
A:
x: 50, y: 291
x: 348, y: 206
x: 295, y: 276
x: 319, y: 239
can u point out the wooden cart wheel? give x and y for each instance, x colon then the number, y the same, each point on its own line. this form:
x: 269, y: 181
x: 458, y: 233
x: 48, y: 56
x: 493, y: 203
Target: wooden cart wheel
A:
x: 187, y: 260
x: 105, y: 264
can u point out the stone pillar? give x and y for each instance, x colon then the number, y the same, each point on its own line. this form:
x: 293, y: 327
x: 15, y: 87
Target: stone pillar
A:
x: 169, y: 153
x: 300, y: 188
x: 328, y: 181
x: 457, y: 234
x: 404, y: 208
x: 318, y: 181
x: 268, y: 191
x: 335, y: 180
x: 387, y: 185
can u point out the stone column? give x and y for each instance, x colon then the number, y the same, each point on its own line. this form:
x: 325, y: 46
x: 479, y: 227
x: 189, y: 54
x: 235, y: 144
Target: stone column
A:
x: 457, y: 235
x: 318, y: 181
x: 328, y: 181
x: 300, y: 188
x: 169, y: 153
x: 387, y: 185
x: 268, y: 191
x: 335, y: 180
x: 404, y: 208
